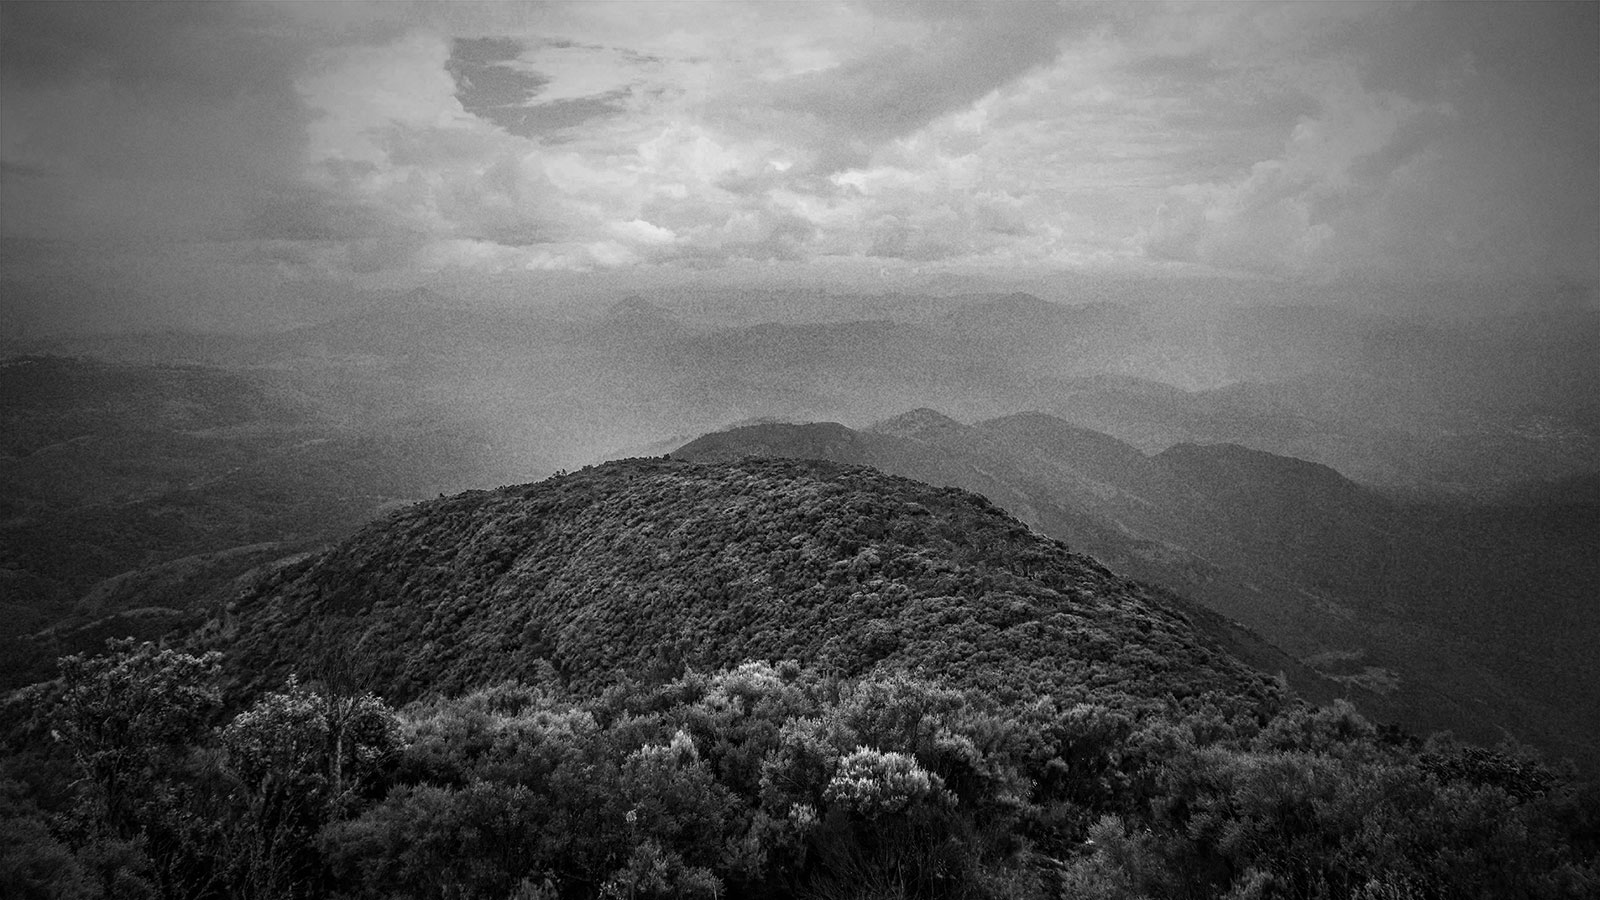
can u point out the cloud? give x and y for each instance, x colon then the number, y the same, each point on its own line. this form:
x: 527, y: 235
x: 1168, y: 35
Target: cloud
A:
x: 488, y: 83
x: 307, y: 213
x: 493, y: 82
x: 1283, y: 214
x: 297, y: 141
x: 934, y: 60
x: 145, y: 119
x: 1444, y: 141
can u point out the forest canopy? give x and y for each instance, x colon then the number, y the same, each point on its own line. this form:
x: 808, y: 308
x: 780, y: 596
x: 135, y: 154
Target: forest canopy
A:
x: 763, y: 780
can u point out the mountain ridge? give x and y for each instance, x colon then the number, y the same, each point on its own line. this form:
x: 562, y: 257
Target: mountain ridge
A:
x: 1444, y: 617
x: 626, y: 567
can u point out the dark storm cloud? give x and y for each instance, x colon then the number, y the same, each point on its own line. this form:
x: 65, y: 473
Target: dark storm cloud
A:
x: 543, y: 118
x: 492, y: 85
x: 485, y: 78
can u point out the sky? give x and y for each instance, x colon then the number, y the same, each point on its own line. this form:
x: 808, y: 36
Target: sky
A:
x: 190, y: 162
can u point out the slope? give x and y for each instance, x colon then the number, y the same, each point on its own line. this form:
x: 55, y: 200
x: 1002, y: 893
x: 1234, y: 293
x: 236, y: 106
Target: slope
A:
x: 182, y: 471
x: 639, y: 567
x: 1468, y: 618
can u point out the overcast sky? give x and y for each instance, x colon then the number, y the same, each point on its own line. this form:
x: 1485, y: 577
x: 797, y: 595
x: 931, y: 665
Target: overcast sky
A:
x: 194, y: 145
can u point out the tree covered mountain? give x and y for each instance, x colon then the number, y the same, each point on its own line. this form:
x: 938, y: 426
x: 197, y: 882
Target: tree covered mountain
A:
x: 1474, y: 617
x: 644, y: 566
x: 972, y: 711
x: 128, y: 491
x: 767, y: 678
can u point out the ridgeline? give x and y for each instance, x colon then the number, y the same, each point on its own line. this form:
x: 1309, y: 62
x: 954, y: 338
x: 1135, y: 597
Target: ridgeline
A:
x: 643, y: 567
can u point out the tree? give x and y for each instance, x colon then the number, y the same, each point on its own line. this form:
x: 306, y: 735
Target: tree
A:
x: 127, y: 716
x: 303, y: 758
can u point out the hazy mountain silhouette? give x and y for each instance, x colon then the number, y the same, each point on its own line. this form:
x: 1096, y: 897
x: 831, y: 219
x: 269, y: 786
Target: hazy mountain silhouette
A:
x: 1409, y: 608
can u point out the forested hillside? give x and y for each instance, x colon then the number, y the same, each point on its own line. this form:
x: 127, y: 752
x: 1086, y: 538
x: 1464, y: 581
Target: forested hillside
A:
x: 765, y: 679
x: 535, y: 652
x: 129, y: 493
x: 1469, y: 616
x: 649, y: 565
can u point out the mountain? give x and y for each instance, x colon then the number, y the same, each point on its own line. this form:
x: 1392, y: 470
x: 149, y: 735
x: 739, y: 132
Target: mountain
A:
x: 126, y: 488
x: 1102, y: 496
x: 637, y: 313
x: 1472, y: 617
x: 1406, y: 507
x: 768, y: 679
x: 649, y: 565
x: 1466, y: 407
x: 1380, y: 430
x: 1046, y: 338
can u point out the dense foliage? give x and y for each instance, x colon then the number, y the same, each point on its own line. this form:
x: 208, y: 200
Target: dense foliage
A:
x: 775, y: 780
x: 641, y: 567
x: 1474, y: 617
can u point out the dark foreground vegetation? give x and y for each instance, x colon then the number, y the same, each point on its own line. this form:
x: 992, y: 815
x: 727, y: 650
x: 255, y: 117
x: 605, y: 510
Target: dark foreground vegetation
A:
x: 129, y: 780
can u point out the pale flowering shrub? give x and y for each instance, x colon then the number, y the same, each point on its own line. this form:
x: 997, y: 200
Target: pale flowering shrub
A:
x: 803, y: 816
x: 874, y: 783
x: 654, y: 871
x: 668, y: 794
x: 797, y: 770
x: 300, y: 734
x: 679, y: 753
x: 740, y: 686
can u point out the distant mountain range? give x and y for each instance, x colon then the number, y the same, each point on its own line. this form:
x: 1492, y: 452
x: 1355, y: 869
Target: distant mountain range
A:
x: 1475, y: 617
x: 1463, y: 406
